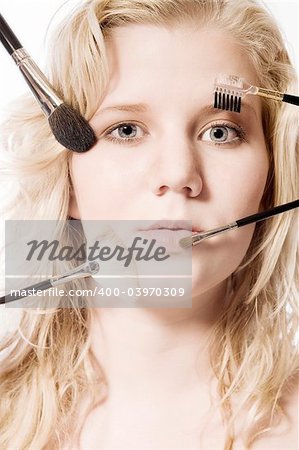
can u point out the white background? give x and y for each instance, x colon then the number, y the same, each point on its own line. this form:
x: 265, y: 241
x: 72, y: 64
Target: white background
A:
x: 30, y: 19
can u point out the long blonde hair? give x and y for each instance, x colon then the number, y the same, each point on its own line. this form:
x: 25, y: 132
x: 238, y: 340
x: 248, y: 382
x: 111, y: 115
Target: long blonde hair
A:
x: 48, y: 365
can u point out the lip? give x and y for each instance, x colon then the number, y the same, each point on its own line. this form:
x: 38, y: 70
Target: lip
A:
x: 171, y: 225
x: 168, y: 233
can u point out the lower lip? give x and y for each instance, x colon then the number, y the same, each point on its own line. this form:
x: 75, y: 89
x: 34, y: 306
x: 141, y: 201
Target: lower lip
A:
x: 166, y: 238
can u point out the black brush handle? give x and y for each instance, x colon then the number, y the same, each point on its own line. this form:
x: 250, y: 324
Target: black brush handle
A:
x: 42, y: 286
x: 290, y: 99
x: 265, y: 214
x: 7, y: 37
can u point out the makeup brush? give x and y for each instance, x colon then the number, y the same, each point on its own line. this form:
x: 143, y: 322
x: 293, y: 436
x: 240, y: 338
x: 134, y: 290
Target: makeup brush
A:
x: 68, y: 126
x: 199, y: 237
x: 82, y: 271
x: 230, y: 89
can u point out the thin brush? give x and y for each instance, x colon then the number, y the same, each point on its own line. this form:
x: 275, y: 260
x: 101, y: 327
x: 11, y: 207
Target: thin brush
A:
x: 230, y: 90
x: 82, y: 271
x: 68, y: 126
x: 199, y: 237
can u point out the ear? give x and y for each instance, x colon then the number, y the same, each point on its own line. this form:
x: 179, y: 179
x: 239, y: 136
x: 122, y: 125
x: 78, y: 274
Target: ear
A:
x: 73, y: 206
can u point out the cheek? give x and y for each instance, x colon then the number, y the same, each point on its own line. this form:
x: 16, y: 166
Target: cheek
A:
x: 238, y: 184
x: 253, y: 183
x: 236, y: 189
x: 213, y: 261
x: 102, y: 185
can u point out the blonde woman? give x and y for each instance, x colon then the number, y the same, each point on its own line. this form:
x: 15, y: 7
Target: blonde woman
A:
x: 224, y: 373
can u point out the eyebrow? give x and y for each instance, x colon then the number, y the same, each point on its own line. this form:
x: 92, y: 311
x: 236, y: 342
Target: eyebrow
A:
x: 138, y: 107
x: 142, y: 107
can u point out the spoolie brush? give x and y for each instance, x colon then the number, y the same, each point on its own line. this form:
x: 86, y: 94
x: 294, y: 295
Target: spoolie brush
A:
x: 199, y: 237
x: 231, y: 89
x: 69, y: 128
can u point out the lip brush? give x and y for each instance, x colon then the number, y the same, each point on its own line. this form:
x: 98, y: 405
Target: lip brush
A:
x: 85, y: 270
x: 68, y: 126
x: 199, y: 237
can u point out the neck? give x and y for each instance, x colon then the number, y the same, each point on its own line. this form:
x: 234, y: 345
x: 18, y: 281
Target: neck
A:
x: 166, y: 349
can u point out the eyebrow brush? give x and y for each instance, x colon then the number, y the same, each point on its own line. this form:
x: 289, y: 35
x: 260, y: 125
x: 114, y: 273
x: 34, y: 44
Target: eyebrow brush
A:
x: 82, y: 271
x: 68, y: 126
x: 199, y: 237
x: 231, y: 89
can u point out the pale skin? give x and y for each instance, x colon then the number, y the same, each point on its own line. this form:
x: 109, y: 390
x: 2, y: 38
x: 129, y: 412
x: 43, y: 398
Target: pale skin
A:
x: 156, y: 360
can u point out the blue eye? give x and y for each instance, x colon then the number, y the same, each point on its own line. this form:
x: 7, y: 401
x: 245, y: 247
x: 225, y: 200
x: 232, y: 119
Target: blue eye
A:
x: 223, y: 134
x: 217, y: 134
x: 124, y: 132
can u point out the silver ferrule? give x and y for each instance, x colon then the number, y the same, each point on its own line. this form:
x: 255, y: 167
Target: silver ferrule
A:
x: 85, y: 270
x: 208, y: 234
x: 38, y: 83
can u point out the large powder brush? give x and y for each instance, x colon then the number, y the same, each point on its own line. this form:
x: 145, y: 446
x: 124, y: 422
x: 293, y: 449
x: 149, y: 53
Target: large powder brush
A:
x: 68, y: 126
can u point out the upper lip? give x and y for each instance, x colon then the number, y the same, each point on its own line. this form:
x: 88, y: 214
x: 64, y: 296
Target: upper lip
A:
x: 171, y: 225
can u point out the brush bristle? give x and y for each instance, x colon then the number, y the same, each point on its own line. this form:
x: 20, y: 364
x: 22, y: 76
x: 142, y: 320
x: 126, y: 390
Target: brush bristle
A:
x: 228, y: 101
x: 71, y: 129
x: 186, y: 242
x: 228, y: 92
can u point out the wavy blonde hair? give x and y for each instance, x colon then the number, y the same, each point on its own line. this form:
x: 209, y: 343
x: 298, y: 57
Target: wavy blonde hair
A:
x: 48, y: 366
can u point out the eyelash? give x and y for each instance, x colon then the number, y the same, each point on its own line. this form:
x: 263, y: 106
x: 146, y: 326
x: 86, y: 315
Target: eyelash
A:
x: 119, y: 140
x: 241, y: 134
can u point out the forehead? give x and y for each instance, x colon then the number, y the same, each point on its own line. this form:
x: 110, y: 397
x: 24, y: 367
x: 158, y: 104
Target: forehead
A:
x: 155, y: 60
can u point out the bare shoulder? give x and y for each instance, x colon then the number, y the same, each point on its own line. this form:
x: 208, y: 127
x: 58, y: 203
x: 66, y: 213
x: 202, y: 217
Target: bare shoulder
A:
x: 285, y: 435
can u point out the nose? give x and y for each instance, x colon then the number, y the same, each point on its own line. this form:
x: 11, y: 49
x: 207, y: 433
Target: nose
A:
x: 176, y: 167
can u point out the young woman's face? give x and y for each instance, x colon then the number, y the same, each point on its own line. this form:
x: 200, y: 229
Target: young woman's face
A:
x: 164, y: 152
